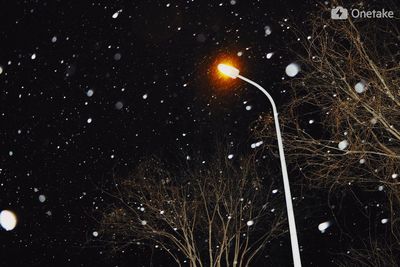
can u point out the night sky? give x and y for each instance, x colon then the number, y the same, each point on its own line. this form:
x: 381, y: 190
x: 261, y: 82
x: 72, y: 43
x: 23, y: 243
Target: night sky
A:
x: 89, y: 89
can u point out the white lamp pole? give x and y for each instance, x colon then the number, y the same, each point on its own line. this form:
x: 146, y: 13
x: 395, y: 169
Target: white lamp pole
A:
x: 234, y: 73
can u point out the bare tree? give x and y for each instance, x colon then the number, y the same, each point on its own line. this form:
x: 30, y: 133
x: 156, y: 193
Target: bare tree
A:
x: 342, y: 123
x: 349, y: 91
x: 373, y: 254
x: 216, y: 215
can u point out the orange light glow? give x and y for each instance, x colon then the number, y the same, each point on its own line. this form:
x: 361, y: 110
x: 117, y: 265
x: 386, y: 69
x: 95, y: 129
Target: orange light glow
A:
x: 222, y: 81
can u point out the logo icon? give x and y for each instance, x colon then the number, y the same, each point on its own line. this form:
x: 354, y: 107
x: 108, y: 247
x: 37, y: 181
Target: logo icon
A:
x: 339, y: 12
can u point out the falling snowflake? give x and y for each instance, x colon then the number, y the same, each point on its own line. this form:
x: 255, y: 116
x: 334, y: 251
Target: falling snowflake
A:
x: 385, y: 220
x: 117, y: 56
x: 343, y: 144
x: 8, y: 220
x: 42, y: 198
x: 250, y: 223
x: 116, y: 14
x: 119, y: 105
x: 267, y: 30
x: 360, y: 87
x: 230, y: 156
x: 292, y: 69
x: 323, y: 226
x: 269, y: 55
x: 257, y: 144
x: 90, y: 93
x: 95, y: 234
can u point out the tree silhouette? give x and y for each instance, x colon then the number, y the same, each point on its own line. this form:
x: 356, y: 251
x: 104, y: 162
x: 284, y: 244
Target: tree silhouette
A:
x: 342, y: 122
x: 217, y: 214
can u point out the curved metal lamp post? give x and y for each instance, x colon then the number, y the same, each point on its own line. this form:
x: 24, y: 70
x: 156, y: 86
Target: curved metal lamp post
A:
x: 234, y: 73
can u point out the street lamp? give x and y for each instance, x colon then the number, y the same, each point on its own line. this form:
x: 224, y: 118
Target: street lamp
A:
x: 234, y: 73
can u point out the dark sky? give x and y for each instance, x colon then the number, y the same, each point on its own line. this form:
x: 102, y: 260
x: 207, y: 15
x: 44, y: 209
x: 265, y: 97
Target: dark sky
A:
x: 90, y: 88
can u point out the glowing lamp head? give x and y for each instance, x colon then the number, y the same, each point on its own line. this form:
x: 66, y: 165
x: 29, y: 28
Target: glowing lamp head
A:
x: 228, y: 70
